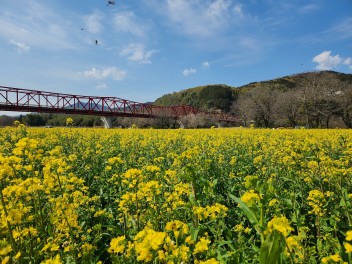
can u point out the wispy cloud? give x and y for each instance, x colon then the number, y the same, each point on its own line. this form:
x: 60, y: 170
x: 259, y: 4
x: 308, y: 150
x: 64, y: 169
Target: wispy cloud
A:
x: 20, y: 47
x: 101, y: 86
x: 36, y: 25
x: 136, y: 52
x: 93, y: 22
x: 326, y: 61
x: 200, y: 18
x: 206, y: 65
x: 308, y: 8
x: 238, y: 10
x: 128, y: 22
x: 187, y: 72
x: 341, y: 30
x: 109, y: 72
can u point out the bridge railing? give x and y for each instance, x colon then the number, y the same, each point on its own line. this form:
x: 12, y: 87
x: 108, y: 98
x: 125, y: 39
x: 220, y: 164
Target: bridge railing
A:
x: 17, y: 99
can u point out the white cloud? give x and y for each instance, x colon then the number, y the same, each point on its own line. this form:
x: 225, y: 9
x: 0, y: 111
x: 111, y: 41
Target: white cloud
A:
x: 109, y: 72
x: 93, y: 22
x: 187, y: 72
x: 200, y: 18
x: 127, y: 22
x: 206, y: 65
x: 136, y: 52
x: 347, y: 61
x: 101, y: 86
x: 326, y: 61
x: 20, y: 47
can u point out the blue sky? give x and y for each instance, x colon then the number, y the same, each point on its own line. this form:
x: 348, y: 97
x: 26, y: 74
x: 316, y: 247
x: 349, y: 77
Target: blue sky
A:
x: 148, y: 48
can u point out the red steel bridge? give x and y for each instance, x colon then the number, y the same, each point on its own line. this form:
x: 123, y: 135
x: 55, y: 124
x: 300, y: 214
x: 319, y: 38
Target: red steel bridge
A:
x: 26, y: 100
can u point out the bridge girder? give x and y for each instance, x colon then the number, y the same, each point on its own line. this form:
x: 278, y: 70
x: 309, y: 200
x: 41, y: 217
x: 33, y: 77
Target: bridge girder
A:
x: 26, y: 100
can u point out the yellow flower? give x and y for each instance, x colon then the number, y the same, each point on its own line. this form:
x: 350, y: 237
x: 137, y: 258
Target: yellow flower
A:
x: 272, y: 202
x: 250, y: 197
x: 202, y: 245
x: 209, y: 261
x: 325, y: 260
x: 181, y: 252
x: 117, y: 245
x: 280, y: 224
x: 348, y: 247
x: 161, y: 255
x: 55, y: 260
x: 349, y: 235
x: 247, y: 230
x: 316, y: 200
x: 238, y: 228
x: 5, y: 260
x: 18, y: 255
x: 335, y: 258
x: 54, y: 247
x: 69, y: 121
x: 86, y: 247
x: 189, y: 240
x: 5, y: 250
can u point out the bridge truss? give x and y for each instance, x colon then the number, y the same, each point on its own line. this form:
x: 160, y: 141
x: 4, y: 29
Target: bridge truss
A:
x: 26, y: 100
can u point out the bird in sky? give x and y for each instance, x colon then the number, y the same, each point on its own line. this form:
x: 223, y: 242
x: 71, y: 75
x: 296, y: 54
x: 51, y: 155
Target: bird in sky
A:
x: 112, y: 2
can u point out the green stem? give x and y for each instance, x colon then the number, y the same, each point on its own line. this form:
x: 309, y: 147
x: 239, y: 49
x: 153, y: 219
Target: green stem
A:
x: 261, y: 221
x: 68, y: 224
x: 13, y: 244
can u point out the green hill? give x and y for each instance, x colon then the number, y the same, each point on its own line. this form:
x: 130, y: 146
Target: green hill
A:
x: 209, y: 97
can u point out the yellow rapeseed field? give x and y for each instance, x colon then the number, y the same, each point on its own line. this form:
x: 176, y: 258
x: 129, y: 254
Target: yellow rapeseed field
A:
x: 72, y: 195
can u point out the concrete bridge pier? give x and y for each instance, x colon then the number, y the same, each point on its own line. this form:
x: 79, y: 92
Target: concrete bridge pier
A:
x: 107, y: 121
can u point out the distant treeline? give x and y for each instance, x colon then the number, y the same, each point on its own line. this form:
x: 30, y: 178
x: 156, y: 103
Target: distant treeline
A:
x: 37, y: 119
x: 59, y: 120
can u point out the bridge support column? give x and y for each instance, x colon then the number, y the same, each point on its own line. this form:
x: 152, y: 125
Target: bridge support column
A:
x: 106, y: 121
x: 180, y: 124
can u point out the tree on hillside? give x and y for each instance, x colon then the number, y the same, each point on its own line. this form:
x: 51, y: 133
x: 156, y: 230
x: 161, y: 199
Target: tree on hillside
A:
x: 241, y: 108
x: 288, y: 106
x: 199, y: 120
x: 216, y: 97
x: 344, y: 102
x: 262, y: 101
x: 317, y: 94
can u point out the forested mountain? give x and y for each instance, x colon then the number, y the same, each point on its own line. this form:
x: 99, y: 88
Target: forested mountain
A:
x: 312, y: 99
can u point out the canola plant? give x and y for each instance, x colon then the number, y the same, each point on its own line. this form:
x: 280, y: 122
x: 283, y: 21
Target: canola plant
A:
x: 71, y: 195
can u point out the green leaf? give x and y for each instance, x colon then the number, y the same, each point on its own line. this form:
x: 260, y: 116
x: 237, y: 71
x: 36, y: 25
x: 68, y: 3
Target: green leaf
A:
x: 271, y: 249
x: 246, y: 210
x: 194, y: 233
x: 228, y: 243
x: 342, y: 202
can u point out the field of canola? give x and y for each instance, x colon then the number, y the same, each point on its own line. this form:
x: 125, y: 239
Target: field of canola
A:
x: 175, y: 196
